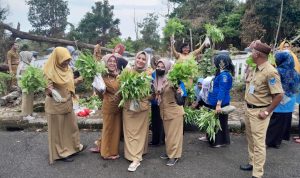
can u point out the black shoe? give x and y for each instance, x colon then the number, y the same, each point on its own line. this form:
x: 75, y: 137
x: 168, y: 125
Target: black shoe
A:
x: 254, y: 177
x: 152, y: 144
x: 66, y: 159
x: 164, y: 156
x: 172, y: 161
x: 247, y: 167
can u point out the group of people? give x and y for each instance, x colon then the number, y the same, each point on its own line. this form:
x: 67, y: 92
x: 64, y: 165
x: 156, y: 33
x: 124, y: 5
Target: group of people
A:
x: 271, y: 93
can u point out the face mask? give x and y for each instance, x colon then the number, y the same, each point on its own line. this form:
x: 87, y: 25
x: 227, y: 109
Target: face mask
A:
x: 160, y: 72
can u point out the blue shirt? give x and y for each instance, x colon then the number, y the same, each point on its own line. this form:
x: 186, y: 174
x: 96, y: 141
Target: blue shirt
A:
x: 222, y: 85
x: 287, y: 107
x: 298, y: 98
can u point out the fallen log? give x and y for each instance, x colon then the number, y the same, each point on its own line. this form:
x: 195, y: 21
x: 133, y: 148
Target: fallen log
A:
x: 38, y: 38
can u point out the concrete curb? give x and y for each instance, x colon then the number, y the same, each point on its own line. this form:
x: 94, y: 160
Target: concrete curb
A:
x: 17, y: 123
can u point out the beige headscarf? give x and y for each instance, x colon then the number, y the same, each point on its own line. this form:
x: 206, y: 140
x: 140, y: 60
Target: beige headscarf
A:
x: 146, y: 65
x: 57, y: 74
x: 105, y: 60
x: 161, y: 81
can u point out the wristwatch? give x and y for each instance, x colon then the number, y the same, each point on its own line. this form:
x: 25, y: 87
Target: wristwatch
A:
x: 266, y: 113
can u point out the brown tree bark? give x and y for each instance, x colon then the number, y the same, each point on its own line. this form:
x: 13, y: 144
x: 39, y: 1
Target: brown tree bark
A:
x: 38, y: 38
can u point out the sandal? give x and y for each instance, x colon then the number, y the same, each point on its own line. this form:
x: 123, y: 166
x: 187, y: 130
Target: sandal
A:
x: 297, y: 140
x: 133, y: 166
x: 111, y: 157
x: 94, y: 150
x: 82, y: 149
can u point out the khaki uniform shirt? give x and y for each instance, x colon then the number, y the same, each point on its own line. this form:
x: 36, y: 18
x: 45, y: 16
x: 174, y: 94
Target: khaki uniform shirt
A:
x: 261, y: 83
x: 13, y: 57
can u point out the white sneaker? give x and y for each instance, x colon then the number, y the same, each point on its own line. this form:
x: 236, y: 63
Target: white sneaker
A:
x: 133, y: 166
x: 203, y: 139
x: 28, y: 118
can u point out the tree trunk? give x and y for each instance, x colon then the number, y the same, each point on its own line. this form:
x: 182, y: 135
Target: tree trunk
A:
x: 25, y: 35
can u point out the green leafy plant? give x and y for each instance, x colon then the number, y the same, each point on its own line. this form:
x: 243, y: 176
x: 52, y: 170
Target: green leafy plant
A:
x: 4, y: 78
x: 173, y: 26
x: 88, y: 68
x: 32, y: 80
x: 92, y: 102
x: 206, y: 68
x: 214, y: 33
x: 271, y: 59
x: 250, y: 62
x: 183, y: 71
x: 134, y: 85
x: 205, y: 119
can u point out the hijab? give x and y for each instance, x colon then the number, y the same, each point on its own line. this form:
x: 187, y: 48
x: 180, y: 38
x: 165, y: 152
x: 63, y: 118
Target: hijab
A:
x: 196, y: 87
x: 106, y: 59
x: 161, y: 81
x: 146, y: 64
x: 25, y: 60
x: 297, y: 64
x: 57, y: 74
x: 290, y: 79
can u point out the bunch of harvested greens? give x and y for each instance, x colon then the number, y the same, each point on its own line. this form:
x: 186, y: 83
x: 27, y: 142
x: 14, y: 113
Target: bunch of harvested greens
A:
x: 92, y: 102
x: 32, y: 80
x: 173, y: 26
x: 214, y: 33
x: 183, y: 71
x: 205, y: 119
x: 134, y: 85
x: 88, y: 68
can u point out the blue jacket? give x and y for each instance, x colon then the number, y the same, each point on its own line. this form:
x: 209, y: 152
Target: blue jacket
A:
x: 222, y: 85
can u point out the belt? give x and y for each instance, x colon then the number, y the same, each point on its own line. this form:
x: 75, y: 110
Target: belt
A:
x: 253, y: 106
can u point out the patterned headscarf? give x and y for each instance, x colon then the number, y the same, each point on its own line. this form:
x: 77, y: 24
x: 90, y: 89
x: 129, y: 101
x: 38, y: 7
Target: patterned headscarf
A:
x: 290, y: 79
x: 105, y: 60
x: 296, y: 61
x: 146, y: 65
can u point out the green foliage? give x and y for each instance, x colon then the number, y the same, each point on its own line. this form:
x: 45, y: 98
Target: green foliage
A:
x: 48, y: 18
x: 250, y: 62
x: 183, y: 71
x: 126, y: 42
x: 173, y: 26
x: 92, y: 102
x: 97, y: 25
x: 4, y: 78
x: 214, y: 33
x: 190, y: 94
x: 206, y: 67
x: 149, y: 31
x: 88, y: 68
x: 32, y: 80
x: 205, y: 119
x: 134, y: 85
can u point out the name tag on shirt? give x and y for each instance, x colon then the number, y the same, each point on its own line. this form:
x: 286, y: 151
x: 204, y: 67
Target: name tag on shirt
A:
x: 251, y: 89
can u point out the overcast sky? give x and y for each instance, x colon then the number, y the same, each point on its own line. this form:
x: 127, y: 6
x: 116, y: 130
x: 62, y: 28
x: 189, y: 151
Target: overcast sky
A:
x: 124, y: 10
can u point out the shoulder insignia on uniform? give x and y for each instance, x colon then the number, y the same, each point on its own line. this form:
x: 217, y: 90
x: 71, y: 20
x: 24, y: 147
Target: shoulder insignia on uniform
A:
x: 224, y: 78
x: 272, y: 81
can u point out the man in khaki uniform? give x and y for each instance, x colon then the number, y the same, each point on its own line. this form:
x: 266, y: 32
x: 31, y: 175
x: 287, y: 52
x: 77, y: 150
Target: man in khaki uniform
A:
x: 263, y: 94
x: 13, y: 61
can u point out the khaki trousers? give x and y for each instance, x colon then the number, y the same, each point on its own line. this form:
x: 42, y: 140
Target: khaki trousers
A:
x: 256, y: 130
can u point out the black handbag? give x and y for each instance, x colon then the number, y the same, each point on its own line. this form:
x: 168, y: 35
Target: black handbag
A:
x: 180, y: 100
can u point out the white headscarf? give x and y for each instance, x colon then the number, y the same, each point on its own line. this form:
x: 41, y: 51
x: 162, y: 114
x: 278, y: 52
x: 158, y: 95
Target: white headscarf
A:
x: 25, y: 60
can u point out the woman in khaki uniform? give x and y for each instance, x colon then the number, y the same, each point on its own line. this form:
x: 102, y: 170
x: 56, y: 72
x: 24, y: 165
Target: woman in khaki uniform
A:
x: 110, y: 137
x: 170, y: 102
x: 63, y: 132
x: 136, y: 122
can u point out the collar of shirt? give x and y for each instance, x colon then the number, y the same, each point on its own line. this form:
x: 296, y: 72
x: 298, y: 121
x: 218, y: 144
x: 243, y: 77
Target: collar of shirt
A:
x: 262, y: 66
